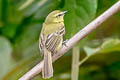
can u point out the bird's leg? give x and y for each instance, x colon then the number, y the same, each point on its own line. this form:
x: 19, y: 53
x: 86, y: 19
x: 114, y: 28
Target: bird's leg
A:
x: 64, y: 42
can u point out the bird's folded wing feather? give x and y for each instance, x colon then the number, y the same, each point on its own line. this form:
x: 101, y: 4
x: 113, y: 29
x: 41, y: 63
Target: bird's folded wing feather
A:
x: 41, y: 44
x: 52, y: 42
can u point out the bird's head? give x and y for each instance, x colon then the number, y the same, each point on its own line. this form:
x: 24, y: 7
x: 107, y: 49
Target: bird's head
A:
x: 56, y: 16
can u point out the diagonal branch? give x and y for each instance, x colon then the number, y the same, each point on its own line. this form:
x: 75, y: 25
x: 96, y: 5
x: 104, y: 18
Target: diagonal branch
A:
x: 75, y: 39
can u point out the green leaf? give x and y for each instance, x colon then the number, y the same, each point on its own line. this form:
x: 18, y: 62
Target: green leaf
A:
x: 9, y: 30
x: 5, y: 56
x: 41, y: 8
x: 21, y: 68
x: 0, y: 9
x: 27, y: 44
x: 34, y: 7
x: 44, y: 10
x: 80, y: 13
x: 1, y: 24
x: 25, y: 4
x: 89, y: 51
x: 13, y: 15
x: 109, y: 45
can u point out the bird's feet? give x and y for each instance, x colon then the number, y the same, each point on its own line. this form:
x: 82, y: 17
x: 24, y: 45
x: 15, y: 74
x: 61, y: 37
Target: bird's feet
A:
x: 64, y: 42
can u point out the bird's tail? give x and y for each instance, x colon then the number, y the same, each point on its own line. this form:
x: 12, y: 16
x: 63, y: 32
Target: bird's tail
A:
x: 47, y: 71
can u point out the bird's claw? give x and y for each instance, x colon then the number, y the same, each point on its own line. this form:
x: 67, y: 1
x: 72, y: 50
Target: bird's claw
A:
x: 64, y: 42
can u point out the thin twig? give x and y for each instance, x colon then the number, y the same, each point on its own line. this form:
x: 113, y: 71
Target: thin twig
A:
x: 83, y: 60
x: 75, y: 39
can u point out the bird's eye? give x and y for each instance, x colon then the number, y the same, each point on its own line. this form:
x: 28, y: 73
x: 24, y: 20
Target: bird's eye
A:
x: 59, y: 15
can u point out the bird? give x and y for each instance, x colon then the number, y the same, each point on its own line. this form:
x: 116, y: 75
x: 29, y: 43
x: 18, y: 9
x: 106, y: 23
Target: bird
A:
x: 51, y: 39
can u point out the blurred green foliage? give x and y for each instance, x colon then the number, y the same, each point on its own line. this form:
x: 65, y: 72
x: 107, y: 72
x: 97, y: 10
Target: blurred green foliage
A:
x: 20, y: 25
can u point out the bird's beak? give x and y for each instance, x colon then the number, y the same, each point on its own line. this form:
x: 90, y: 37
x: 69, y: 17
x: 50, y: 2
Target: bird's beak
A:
x: 63, y: 12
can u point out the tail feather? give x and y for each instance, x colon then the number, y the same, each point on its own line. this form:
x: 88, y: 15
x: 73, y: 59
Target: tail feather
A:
x: 47, y: 71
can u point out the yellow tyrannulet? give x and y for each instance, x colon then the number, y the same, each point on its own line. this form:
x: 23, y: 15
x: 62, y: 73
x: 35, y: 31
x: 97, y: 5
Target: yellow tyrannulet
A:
x: 51, y: 39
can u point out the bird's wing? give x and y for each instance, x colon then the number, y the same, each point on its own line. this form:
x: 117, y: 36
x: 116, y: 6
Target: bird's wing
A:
x: 41, y: 44
x: 53, y: 41
x: 61, y: 31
